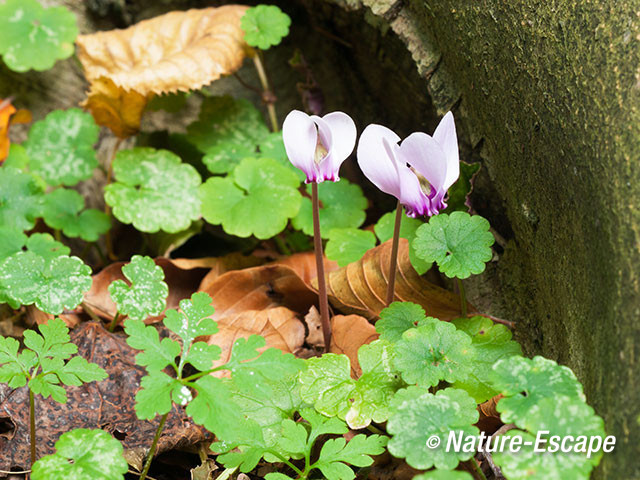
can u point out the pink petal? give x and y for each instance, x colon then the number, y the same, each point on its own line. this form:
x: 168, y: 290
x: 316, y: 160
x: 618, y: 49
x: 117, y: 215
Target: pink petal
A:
x: 426, y: 155
x: 300, y: 137
x: 445, y: 135
x: 343, y: 136
x: 376, y: 162
x: 415, y: 201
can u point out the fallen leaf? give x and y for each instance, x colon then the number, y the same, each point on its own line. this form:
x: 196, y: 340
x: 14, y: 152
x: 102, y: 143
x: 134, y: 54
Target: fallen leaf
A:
x: 304, y: 264
x: 6, y: 110
x: 360, y: 287
x: 315, y: 337
x: 348, y: 334
x: 108, y: 405
x: 204, y: 471
x: 178, y: 51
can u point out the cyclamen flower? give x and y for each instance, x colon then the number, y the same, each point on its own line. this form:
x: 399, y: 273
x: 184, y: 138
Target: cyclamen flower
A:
x: 392, y: 167
x: 318, y: 146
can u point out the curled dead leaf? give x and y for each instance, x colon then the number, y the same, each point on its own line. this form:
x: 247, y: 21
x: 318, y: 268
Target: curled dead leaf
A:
x: 304, y: 264
x: 360, y: 287
x: 178, y: 51
x: 348, y: 334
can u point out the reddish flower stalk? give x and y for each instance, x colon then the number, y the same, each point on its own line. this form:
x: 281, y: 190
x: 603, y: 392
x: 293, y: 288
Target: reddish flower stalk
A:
x: 393, y: 262
x: 322, y: 284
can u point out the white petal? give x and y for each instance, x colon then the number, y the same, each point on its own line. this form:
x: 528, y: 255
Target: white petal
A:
x: 374, y: 160
x: 343, y: 135
x: 300, y: 137
x: 445, y: 135
x: 426, y: 155
x: 325, y: 168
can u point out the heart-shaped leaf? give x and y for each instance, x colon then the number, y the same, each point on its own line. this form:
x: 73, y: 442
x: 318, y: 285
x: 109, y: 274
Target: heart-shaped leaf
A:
x: 60, y: 147
x: 33, y: 37
x: 257, y: 199
x: 61, y: 210
x: 154, y: 190
x: 20, y: 199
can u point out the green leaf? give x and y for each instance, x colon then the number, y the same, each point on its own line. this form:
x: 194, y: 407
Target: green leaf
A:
x: 342, y: 206
x: 434, y: 352
x: 257, y: 199
x: 459, y: 243
x: 154, y: 190
x: 293, y: 437
x: 83, y: 454
x: 225, y: 156
x: 20, y: 199
x: 78, y: 371
x: 47, y: 385
x: 348, y: 245
x: 460, y: 190
x: 417, y: 415
x: 277, y: 476
x: 156, y: 355
x: 444, y: 475
x: 60, y: 147
x: 61, y: 210
x: 43, y: 245
x: 336, y: 453
x: 399, y: 317
x: 229, y: 120
x: 213, y: 409
x: 13, y: 368
x: 154, y: 396
x: 265, y: 26
x: 33, y: 37
x: 327, y: 383
x: 17, y: 157
x: 272, y: 146
x: 491, y: 342
x: 11, y: 241
x: 147, y: 294
x: 53, y: 340
x: 52, y: 284
x: 526, y: 382
x: 408, y: 228
x: 193, y: 321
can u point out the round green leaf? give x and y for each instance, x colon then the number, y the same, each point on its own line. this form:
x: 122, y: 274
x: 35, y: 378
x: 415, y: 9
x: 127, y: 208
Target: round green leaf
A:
x: 44, y: 245
x: 416, y: 415
x: 326, y: 383
x: 225, y: 156
x: 342, y: 206
x: 60, y: 147
x: 52, y: 284
x: 227, y: 120
x: 147, y: 294
x: 348, y: 245
x: 434, y: 352
x: 33, y: 37
x: 154, y: 190
x: 525, y: 382
x: 258, y: 199
x: 408, y: 227
x: 491, y: 342
x: 272, y: 146
x: 11, y: 241
x: 20, y: 199
x: 83, y: 454
x: 265, y: 26
x: 60, y: 210
x: 399, y: 317
x: 17, y: 158
x: 459, y: 243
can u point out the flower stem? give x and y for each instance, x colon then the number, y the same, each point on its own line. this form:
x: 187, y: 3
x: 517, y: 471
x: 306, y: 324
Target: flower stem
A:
x: 322, y: 286
x: 267, y: 94
x: 393, y: 262
x: 463, y: 299
x: 154, y: 445
x: 114, y: 322
x: 32, y: 427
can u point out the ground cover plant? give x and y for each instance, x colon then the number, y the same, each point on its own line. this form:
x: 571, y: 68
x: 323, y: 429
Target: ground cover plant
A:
x: 308, y: 343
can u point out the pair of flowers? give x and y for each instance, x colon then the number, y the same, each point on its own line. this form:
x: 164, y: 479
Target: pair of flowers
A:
x: 318, y: 146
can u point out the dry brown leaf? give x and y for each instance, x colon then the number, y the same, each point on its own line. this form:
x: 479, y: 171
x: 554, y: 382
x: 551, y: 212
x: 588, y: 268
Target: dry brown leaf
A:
x: 315, y: 337
x: 178, y: 51
x: 360, y: 287
x: 348, y: 334
x: 304, y: 264
x: 280, y: 327
x: 114, y: 107
x: 182, y: 275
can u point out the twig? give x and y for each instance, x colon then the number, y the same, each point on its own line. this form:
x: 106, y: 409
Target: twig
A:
x: 138, y: 474
x: 509, y: 324
x: 21, y: 472
x: 267, y: 95
x: 246, y: 85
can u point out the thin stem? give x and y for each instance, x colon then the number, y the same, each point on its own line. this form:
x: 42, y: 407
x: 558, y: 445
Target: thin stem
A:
x: 32, y: 427
x: 285, y: 461
x: 477, y: 470
x: 507, y: 323
x: 154, y: 445
x: 376, y: 430
x: 393, y: 262
x: 463, y: 299
x: 267, y: 93
x: 322, y: 286
x: 114, y: 322
x: 57, y: 235
x: 107, y: 209
x: 103, y: 259
x: 282, y: 245
x: 90, y: 312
